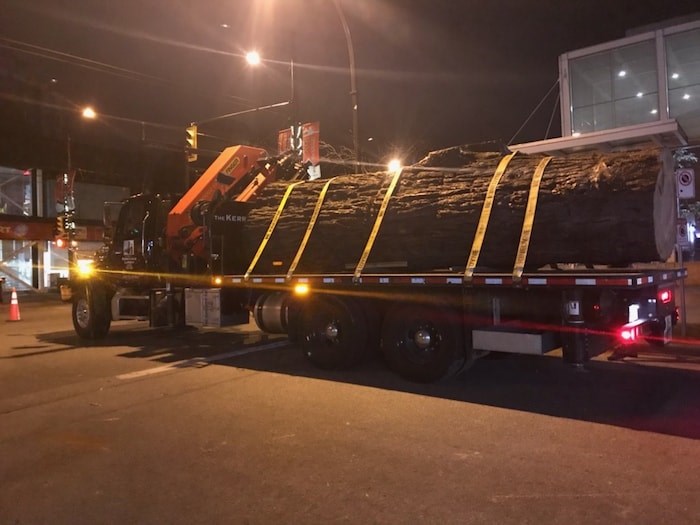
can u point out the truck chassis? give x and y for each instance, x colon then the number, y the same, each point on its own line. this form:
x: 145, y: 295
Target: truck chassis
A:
x: 425, y: 325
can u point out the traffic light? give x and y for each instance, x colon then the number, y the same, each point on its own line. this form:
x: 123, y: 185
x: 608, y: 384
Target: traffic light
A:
x: 191, y: 142
x: 61, y: 233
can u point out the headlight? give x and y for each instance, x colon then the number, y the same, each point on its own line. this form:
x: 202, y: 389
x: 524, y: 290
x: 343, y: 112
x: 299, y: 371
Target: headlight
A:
x: 85, y: 268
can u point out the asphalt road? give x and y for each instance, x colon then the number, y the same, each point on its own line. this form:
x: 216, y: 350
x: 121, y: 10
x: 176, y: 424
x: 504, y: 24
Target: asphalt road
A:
x: 188, y: 427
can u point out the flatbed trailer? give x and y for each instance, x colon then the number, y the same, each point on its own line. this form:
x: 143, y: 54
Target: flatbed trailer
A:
x: 425, y: 324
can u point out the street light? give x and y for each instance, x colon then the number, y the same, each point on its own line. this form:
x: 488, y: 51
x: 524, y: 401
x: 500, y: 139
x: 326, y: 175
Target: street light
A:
x: 68, y: 205
x: 89, y: 113
x: 254, y: 59
x: 353, y: 86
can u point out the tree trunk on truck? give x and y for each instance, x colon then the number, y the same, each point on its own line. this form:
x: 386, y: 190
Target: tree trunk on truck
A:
x: 594, y: 209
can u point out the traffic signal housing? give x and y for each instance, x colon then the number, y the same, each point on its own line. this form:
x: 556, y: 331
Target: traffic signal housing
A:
x: 191, y: 142
x: 61, y: 232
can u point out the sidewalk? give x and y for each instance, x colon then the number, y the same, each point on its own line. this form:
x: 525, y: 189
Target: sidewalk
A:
x: 32, y: 297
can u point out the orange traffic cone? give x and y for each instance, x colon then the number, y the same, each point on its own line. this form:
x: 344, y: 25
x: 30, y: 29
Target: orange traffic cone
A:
x: 14, y: 307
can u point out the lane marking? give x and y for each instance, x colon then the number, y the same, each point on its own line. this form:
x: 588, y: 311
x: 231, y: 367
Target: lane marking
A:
x: 202, y: 361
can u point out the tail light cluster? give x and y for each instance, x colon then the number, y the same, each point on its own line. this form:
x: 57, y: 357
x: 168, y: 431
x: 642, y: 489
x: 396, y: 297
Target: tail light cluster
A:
x: 629, y: 335
x: 665, y: 295
x: 632, y: 332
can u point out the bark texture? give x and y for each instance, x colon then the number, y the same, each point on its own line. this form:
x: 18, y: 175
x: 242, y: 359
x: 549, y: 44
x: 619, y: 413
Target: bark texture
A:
x: 615, y: 209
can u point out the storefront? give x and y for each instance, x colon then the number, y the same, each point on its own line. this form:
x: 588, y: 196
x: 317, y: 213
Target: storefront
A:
x: 30, y: 257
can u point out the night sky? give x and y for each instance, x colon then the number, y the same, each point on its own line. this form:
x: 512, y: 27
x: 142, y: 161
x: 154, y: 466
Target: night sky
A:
x: 431, y: 73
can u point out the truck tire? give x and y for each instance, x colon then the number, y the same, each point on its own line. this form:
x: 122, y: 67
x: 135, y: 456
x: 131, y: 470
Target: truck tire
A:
x: 332, y: 332
x: 91, y: 312
x: 421, y: 342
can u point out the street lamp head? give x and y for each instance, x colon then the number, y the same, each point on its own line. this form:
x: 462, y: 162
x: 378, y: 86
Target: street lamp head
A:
x: 89, y: 113
x: 253, y: 58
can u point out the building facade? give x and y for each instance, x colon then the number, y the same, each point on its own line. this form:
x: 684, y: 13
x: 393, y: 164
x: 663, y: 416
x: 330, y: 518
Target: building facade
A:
x: 648, y: 77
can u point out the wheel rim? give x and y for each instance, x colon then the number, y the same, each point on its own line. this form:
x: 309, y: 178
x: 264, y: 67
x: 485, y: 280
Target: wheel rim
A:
x: 332, y: 334
x: 332, y: 331
x: 324, y: 332
x: 419, y: 341
x: 82, y: 313
x: 422, y: 343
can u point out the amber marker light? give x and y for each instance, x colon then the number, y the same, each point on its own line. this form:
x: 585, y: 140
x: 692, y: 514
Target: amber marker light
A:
x: 301, y: 289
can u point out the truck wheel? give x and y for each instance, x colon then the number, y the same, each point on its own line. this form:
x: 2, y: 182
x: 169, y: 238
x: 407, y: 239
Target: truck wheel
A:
x: 91, y: 313
x: 421, y: 342
x: 332, y: 332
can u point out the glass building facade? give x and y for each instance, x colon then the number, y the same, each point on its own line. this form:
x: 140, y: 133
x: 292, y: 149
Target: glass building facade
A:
x: 650, y: 77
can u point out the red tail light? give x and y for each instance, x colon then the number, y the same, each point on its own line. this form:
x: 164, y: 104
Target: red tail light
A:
x: 665, y: 296
x: 631, y: 332
x: 629, y: 335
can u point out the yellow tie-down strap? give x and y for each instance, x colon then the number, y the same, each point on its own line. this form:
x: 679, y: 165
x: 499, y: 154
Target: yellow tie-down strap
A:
x: 377, y: 224
x: 529, y: 219
x: 485, y: 216
x: 309, y: 229
x: 271, y: 228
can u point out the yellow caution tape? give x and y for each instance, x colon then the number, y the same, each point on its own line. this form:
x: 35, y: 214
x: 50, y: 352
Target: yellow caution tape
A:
x: 529, y: 219
x: 377, y: 224
x: 271, y: 228
x: 478, y: 241
x: 309, y: 229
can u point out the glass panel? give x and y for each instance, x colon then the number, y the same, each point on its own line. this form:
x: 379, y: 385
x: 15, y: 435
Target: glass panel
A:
x: 634, y: 70
x: 615, y: 88
x: 683, y: 56
x: 16, y: 263
x: 592, y: 118
x: 15, y: 191
x: 590, y: 80
x: 636, y: 110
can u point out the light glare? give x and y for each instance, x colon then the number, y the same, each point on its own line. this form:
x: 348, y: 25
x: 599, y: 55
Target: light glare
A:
x: 85, y: 267
x: 394, y: 165
x: 301, y: 289
x: 253, y: 58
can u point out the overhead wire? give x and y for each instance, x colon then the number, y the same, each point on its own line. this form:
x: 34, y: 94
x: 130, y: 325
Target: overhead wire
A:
x: 93, y: 65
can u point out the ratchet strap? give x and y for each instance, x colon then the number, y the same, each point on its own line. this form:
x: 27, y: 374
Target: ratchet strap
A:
x: 485, y: 216
x: 271, y: 228
x: 309, y: 229
x: 526, y: 232
x: 377, y: 224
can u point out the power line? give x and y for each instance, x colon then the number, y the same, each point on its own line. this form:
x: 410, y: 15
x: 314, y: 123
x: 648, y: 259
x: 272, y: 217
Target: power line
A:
x: 93, y: 65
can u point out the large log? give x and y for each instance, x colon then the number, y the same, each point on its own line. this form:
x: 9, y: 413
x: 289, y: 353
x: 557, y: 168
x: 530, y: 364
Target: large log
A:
x: 614, y: 209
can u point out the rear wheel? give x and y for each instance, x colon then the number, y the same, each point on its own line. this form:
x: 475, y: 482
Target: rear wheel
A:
x: 422, y: 342
x: 332, y: 332
x: 91, y: 312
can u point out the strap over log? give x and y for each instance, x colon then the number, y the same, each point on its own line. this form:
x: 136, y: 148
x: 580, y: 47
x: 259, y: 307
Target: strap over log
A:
x: 478, y: 241
x: 377, y: 224
x: 271, y: 228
